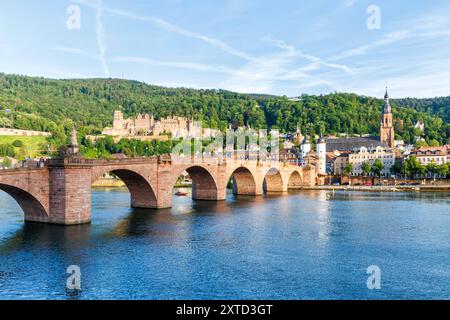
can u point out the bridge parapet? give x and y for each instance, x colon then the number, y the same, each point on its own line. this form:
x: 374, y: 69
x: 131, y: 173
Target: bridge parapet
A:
x: 12, y: 171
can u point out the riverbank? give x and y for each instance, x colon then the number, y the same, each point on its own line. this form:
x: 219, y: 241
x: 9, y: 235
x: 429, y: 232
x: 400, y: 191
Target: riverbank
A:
x: 117, y: 183
x: 415, y: 188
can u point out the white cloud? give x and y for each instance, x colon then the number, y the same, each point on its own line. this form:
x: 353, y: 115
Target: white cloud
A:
x: 174, y: 64
x: 72, y: 50
x: 349, y: 3
x: 176, y: 29
x: 100, y: 31
x: 389, y: 38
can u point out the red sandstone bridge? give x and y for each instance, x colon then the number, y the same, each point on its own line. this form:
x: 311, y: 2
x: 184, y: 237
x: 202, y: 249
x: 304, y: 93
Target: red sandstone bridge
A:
x: 60, y: 192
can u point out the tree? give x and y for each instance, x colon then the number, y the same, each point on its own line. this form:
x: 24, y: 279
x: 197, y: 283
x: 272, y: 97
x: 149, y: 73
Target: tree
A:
x: 7, y: 150
x: 414, y: 166
x: 443, y: 170
x: 405, y: 168
x: 366, y: 169
x: 432, y: 169
x: 420, y: 144
x: 396, y: 168
x: 17, y: 143
x: 377, y: 167
x: 348, y: 169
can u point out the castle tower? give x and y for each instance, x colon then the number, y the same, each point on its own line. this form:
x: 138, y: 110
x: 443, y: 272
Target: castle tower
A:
x: 387, y: 134
x: 322, y: 155
x: 298, y: 137
x: 118, y: 120
x: 305, y: 147
x: 152, y: 122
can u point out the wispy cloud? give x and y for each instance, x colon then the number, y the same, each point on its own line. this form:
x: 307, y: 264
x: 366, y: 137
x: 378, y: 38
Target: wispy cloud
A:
x: 289, y: 67
x: 349, y: 3
x: 176, y: 29
x: 100, y: 31
x: 77, y: 51
x: 259, y: 72
x: 390, y: 38
x: 174, y: 64
x: 427, y: 26
x: 280, y: 68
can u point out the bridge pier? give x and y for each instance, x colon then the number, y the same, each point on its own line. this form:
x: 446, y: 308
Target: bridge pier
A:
x: 70, y: 192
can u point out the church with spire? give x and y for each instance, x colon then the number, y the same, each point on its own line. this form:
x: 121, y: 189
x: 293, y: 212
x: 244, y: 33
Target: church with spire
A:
x: 387, y: 134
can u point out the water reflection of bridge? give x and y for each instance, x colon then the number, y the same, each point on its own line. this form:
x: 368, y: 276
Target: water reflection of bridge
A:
x: 60, y: 192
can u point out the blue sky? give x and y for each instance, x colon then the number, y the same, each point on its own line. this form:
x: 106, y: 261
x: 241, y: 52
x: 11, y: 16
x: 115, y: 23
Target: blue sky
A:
x: 278, y: 47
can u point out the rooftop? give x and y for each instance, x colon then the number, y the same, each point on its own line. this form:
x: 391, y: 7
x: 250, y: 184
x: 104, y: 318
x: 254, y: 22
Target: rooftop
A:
x: 349, y: 144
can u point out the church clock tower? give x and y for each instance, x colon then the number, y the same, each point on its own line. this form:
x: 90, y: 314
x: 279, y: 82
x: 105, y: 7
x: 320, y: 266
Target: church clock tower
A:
x: 387, y: 128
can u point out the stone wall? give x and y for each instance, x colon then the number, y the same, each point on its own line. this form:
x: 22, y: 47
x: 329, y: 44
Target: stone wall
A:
x: 18, y: 132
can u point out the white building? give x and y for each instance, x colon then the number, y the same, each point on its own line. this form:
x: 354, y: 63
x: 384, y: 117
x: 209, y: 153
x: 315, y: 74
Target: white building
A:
x: 322, y: 156
x: 305, y: 147
x: 420, y: 125
x: 427, y: 155
x: 369, y: 155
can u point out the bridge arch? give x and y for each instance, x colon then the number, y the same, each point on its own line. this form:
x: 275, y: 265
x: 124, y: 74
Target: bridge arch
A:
x: 244, y: 182
x: 273, y: 181
x: 204, y: 185
x: 32, y: 207
x: 295, y: 180
x: 141, y: 192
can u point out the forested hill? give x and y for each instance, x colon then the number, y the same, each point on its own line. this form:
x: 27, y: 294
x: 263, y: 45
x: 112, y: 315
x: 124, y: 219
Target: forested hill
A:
x: 439, y: 106
x: 56, y: 105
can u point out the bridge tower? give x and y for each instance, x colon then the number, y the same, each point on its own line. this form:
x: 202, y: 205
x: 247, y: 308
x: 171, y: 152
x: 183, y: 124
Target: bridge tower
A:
x: 70, y: 186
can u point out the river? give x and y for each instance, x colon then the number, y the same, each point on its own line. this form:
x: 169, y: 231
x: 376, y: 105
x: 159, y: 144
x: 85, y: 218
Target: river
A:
x: 301, y: 245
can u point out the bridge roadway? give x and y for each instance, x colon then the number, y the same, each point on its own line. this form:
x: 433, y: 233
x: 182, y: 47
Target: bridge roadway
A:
x: 60, y: 192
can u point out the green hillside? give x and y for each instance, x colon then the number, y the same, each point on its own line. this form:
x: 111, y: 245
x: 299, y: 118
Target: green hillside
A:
x: 25, y: 146
x: 56, y: 105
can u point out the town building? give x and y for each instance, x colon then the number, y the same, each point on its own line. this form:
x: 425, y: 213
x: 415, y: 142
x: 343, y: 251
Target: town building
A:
x: 339, y: 163
x: 427, y: 155
x: 290, y: 155
x: 351, y: 143
x: 370, y: 155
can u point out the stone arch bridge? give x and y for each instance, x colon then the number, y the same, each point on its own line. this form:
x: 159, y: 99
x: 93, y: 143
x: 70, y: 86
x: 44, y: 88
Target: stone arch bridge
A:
x: 60, y: 192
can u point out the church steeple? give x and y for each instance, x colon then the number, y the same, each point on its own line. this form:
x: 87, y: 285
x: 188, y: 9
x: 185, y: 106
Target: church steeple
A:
x: 387, y: 134
x: 387, y: 105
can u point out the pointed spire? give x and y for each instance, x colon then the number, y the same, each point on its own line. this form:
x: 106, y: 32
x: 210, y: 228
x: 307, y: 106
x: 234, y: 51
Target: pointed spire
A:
x: 387, y: 106
x: 386, y: 95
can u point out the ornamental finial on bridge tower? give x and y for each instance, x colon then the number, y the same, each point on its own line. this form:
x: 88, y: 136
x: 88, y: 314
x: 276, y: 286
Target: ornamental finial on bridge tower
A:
x: 72, y: 149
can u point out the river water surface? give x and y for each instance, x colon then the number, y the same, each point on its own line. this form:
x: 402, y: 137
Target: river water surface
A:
x: 303, y: 245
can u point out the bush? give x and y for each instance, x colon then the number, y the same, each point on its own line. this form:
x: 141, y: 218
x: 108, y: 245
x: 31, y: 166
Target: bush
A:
x: 18, y: 143
x: 7, y: 150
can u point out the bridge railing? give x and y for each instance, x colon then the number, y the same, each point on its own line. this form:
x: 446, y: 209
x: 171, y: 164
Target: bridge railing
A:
x: 235, y: 156
x: 222, y: 158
